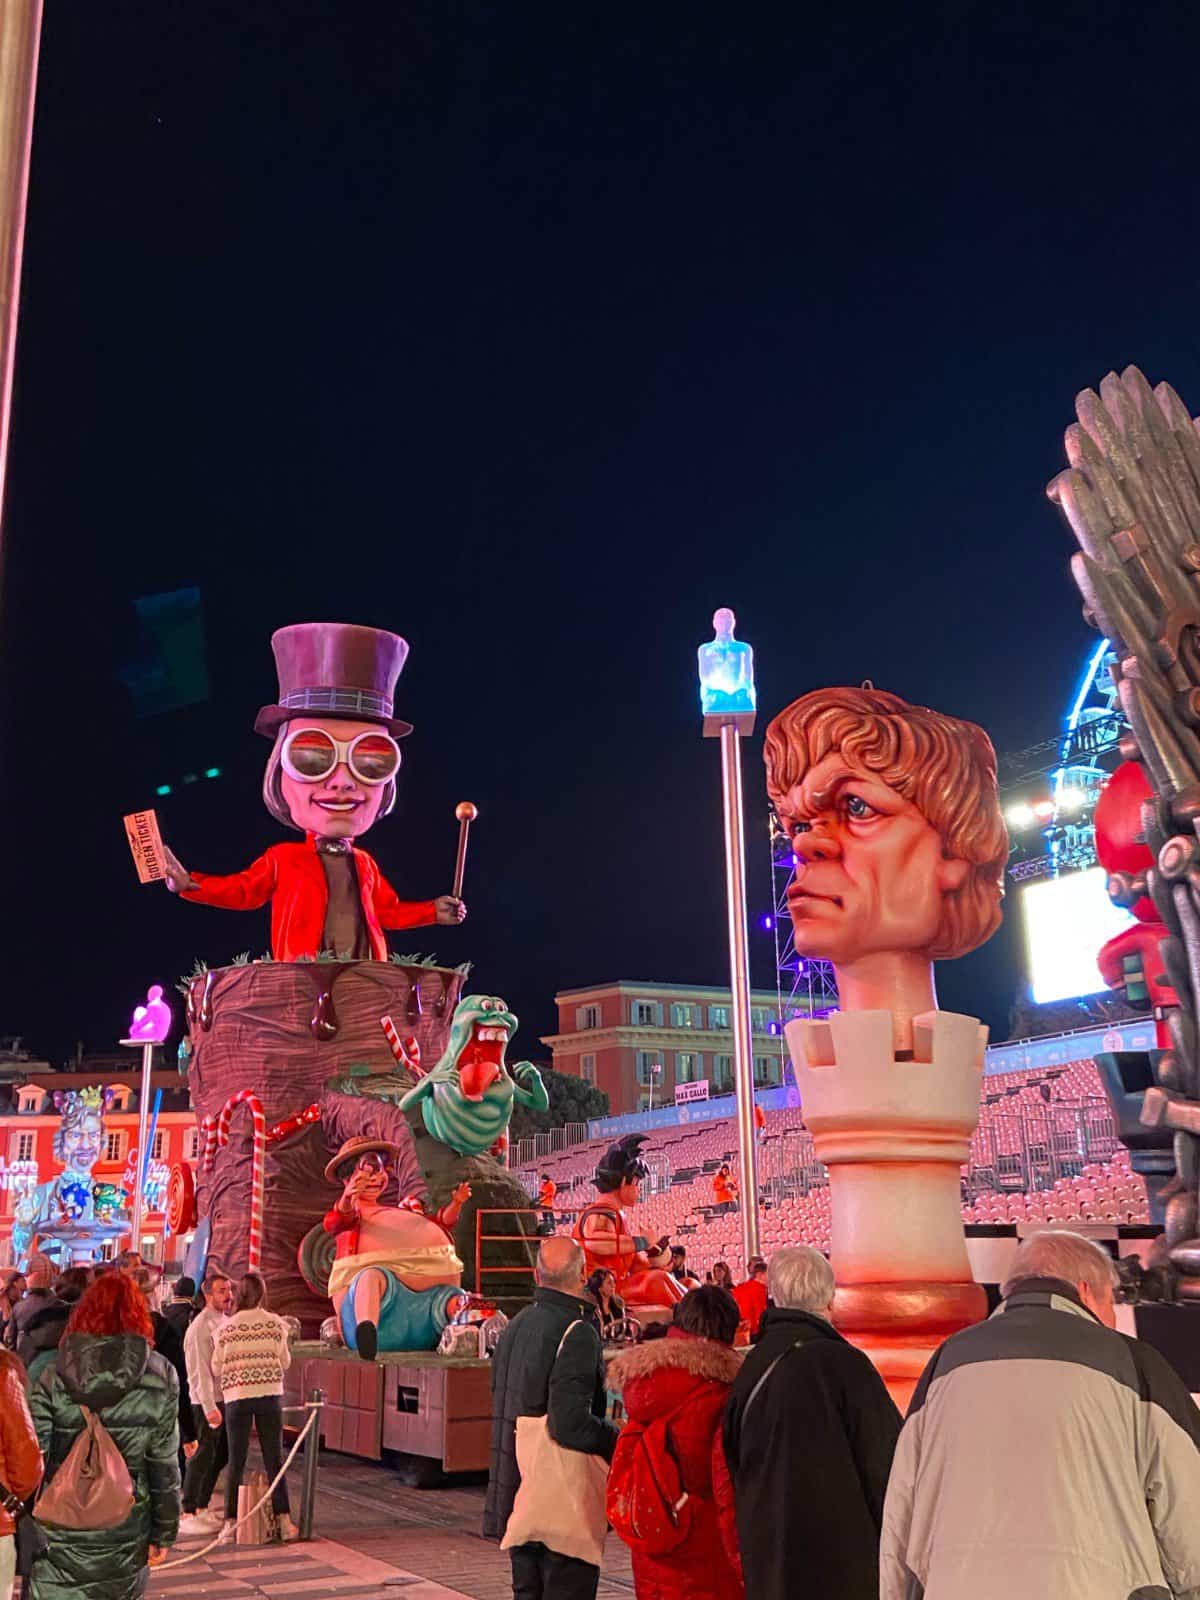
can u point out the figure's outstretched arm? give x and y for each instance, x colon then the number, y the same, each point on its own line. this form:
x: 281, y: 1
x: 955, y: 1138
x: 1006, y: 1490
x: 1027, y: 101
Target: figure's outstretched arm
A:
x: 396, y: 913
x: 235, y: 891
x: 417, y: 1093
x: 529, y: 1090
x: 449, y: 1214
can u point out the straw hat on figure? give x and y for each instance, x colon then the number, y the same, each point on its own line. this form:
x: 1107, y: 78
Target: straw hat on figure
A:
x: 331, y: 775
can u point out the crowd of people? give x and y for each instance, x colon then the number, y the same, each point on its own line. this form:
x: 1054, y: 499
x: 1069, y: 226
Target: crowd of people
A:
x: 1043, y: 1452
x: 168, y: 1391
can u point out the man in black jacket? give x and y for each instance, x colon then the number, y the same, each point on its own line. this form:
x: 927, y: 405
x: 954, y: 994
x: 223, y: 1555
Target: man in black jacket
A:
x: 809, y: 1435
x: 530, y: 1379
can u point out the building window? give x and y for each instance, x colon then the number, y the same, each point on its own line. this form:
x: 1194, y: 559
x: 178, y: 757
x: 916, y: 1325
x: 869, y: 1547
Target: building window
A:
x: 191, y: 1145
x: 760, y: 1017
x: 25, y: 1147
x: 30, y: 1098
x: 121, y: 1095
x: 158, y: 1149
x: 646, y: 1014
x: 684, y: 1016
x: 587, y: 1068
x: 587, y: 1017
x: 114, y: 1147
x: 722, y: 1072
x: 647, y: 1063
x: 689, y: 1067
x: 766, y: 1070
x: 718, y: 1016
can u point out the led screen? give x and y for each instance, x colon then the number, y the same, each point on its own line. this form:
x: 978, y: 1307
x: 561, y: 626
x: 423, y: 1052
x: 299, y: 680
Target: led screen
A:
x: 1067, y: 920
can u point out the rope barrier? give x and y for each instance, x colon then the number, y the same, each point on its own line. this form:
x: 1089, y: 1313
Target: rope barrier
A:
x: 224, y: 1537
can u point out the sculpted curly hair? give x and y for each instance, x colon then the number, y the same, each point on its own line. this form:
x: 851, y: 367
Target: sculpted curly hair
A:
x: 945, y: 767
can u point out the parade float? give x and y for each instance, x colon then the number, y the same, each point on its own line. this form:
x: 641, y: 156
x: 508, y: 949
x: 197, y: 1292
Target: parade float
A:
x: 353, y: 1103
x: 900, y: 848
x: 639, y: 1267
x: 1131, y: 496
x: 72, y: 1215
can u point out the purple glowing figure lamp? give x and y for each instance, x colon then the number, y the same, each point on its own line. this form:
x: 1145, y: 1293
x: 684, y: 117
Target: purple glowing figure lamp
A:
x: 151, y: 1022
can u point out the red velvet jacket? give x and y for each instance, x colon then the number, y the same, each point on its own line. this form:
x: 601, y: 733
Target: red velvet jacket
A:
x: 292, y: 878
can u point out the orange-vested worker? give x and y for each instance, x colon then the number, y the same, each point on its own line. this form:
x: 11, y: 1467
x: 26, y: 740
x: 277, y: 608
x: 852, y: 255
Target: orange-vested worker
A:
x: 725, y: 1189
x: 547, y: 1193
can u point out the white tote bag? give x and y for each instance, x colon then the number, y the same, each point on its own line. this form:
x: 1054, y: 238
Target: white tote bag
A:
x: 561, y: 1499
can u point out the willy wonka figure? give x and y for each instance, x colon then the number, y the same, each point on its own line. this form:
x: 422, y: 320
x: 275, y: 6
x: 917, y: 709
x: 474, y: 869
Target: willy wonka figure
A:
x: 331, y: 774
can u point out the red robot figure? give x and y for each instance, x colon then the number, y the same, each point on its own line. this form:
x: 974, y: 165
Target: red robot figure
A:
x: 1132, y: 962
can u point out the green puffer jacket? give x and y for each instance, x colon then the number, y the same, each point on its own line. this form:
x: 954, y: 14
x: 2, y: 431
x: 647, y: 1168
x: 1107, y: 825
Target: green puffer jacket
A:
x: 136, y: 1394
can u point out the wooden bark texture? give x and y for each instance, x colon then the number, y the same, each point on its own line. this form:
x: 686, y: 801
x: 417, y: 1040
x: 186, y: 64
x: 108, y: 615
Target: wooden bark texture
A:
x: 260, y: 1037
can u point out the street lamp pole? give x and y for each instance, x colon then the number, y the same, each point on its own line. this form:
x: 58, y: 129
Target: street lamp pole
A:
x: 727, y: 700
x: 20, y: 34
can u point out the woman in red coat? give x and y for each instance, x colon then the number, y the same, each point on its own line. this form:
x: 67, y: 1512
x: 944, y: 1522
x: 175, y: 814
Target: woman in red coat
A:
x: 682, y: 1382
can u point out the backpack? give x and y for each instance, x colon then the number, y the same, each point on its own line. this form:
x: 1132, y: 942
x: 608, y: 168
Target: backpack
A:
x: 92, y: 1488
x: 647, y: 1504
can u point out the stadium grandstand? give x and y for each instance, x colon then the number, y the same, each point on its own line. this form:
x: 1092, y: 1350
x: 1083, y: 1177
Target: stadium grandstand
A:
x: 1046, y: 1150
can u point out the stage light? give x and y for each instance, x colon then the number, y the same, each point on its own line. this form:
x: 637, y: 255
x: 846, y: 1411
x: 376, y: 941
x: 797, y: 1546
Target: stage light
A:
x: 1071, y: 800
x: 766, y: 922
x: 1044, y: 809
x: 1020, y: 816
x: 163, y: 788
x: 190, y: 777
x: 212, y: 772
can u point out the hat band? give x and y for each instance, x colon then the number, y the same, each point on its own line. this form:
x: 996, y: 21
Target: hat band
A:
x: 361, y: 702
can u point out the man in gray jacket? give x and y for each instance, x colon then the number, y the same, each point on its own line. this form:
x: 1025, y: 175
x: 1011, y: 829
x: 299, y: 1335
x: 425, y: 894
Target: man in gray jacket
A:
x: 1045, y: 1454
x: 538, y: 1372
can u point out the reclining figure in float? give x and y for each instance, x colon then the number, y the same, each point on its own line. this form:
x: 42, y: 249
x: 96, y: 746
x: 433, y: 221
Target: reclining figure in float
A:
x: 396, y: 1279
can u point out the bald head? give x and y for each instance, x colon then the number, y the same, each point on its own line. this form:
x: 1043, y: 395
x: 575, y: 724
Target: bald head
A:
x: 561, y: 1265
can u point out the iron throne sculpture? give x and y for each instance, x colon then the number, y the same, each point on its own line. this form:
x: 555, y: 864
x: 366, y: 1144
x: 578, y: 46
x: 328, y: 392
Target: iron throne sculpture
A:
x: 1132, y: 497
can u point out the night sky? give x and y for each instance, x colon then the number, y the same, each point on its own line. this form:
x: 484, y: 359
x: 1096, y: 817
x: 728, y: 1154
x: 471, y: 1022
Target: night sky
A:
x: 535, y: 332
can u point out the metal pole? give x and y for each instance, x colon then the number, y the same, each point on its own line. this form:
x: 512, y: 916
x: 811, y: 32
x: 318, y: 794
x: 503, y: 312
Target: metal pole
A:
x: 739, y: 973
x: 135, y: 1242
x: 20, y: 32
x: 312, y: 1457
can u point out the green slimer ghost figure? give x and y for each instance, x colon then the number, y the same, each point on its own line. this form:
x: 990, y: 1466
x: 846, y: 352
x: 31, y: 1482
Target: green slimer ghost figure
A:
x: 467, y: 1099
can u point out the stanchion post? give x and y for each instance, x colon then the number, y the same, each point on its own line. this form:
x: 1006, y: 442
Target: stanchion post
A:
x: 312, y: 1458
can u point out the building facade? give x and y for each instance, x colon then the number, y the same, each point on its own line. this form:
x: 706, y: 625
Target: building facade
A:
x: 639, y: 1042
x: 29, y: 1121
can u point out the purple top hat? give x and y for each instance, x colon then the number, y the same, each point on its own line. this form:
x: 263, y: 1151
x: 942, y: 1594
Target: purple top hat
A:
x: 335, y: 669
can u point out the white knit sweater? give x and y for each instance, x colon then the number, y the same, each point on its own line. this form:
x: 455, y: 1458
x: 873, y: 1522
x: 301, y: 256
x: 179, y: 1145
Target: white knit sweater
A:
x: 251, y: 1355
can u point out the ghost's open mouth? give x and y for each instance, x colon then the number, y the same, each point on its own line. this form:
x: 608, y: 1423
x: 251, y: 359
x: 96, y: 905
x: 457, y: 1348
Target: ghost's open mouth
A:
x: 482, y: 1060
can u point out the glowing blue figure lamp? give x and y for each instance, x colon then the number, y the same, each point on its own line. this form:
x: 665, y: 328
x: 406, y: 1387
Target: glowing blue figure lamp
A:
x: 726, y: 679
x: 727, y: 700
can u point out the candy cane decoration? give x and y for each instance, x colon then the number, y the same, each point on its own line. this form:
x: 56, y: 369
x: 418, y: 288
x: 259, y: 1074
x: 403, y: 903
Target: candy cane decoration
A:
x: 208, y: 1128
x: 406, y: 1051
x: 247, y: 1097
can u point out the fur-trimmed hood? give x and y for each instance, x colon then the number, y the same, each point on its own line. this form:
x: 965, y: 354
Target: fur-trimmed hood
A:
x: 698, y: 1358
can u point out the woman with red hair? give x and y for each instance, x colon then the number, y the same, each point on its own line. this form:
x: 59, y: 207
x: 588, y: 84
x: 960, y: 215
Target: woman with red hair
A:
x: 106, y: 1362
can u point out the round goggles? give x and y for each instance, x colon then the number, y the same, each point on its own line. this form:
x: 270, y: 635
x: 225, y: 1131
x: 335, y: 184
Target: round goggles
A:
x: 312, y: 754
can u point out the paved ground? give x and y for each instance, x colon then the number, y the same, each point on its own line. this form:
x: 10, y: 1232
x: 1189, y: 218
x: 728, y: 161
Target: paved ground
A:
x: 374, y: 1539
